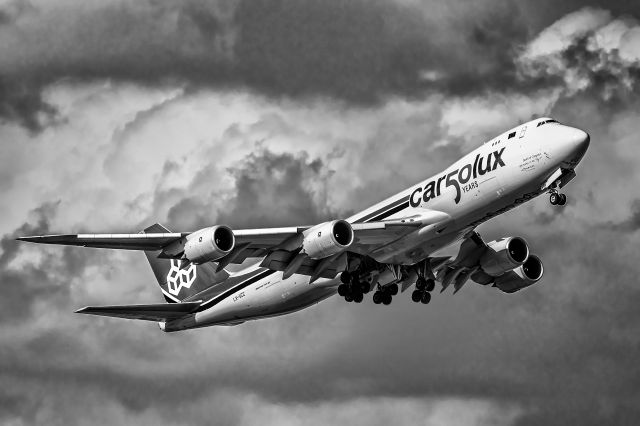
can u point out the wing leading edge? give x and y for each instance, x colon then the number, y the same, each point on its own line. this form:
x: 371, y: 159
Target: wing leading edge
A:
x: 153, y: 241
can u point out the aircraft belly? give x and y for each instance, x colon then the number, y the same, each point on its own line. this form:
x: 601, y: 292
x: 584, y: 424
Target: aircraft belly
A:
x: 268, y: 298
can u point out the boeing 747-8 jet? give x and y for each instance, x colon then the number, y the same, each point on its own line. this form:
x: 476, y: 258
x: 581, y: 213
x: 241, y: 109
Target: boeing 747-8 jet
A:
x: 384, y: 249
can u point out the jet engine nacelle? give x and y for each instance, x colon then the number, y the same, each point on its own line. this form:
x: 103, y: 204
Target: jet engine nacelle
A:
x: 504, y: 255
x: 327, y: 239
x: 523, y: 276
x: 209, y: 244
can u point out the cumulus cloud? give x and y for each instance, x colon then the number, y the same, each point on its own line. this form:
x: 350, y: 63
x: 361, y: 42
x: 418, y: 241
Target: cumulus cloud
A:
x: 165, y: 139
x: 632, y: 223
x: 359, y: 52
x: 588, y: 49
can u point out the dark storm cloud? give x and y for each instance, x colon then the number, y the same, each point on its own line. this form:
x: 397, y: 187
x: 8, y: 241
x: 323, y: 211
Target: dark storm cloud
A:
x: 565, y: 350
x: 589, y: 53
x: 22, y: 101
x: 365, y: 51
x: 265, y: 177
x: 357, y: 51
x: 613, y: 79
x: 270, y: 189
x: 630, y: 224
x: 22, y: 286
x: 12, y: 10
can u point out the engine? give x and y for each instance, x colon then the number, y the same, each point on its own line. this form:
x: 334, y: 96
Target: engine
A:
x: 523, y: 276
x: 327, y: 239
x: 504, y: 255
x: 209, y: 244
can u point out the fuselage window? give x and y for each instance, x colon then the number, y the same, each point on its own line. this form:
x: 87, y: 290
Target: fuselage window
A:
x: 545, y: 122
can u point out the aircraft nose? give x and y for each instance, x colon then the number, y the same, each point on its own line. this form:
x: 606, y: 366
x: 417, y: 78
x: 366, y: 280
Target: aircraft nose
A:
x: 579, y: 139
x: 575, y: 143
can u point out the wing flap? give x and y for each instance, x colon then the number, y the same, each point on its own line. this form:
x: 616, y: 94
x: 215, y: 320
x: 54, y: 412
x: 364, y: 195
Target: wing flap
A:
x: 279, y: 260
x: 267, y: 237
x: 154, y: 312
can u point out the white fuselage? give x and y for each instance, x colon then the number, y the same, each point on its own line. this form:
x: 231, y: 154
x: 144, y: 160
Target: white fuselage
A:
x: 499, y: 175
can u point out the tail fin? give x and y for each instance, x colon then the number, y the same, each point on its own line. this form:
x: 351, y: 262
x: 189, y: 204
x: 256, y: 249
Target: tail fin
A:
x: 180, y: 284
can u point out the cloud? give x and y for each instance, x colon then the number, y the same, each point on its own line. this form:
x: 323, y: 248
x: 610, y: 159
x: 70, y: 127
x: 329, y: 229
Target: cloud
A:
x: 630, y: 224
x: 193, y: 149
x: 359, y: 52
x: 25, y: 285
x: 297, y: 185
x: 589, y: 50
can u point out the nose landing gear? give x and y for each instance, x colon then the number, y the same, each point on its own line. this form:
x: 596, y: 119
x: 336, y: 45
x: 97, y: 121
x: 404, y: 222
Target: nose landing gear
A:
x: 555, y: 198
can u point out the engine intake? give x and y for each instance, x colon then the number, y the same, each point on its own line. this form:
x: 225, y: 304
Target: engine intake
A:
x: 523, y: 276
x: 504, y: 255
x: 209, y: 244
x: 327, y: 239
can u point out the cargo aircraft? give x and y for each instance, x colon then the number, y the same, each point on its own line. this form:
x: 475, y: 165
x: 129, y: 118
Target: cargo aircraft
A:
x: 385, y: 249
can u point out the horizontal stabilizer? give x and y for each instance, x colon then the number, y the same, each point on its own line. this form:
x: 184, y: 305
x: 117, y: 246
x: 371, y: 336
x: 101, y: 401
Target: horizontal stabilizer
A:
x: 156, y: 312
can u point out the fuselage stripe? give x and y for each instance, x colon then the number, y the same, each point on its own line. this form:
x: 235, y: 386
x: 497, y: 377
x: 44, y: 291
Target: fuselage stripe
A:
x: 216, y: 289
x: 404, y: 202
x: 233, y: 290
x: 391, y: 212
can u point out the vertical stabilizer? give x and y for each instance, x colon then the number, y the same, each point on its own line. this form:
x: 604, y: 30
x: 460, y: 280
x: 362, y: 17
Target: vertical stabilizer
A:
x: 178, y: 284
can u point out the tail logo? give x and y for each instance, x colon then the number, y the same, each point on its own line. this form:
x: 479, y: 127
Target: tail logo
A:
x: 178, y: 278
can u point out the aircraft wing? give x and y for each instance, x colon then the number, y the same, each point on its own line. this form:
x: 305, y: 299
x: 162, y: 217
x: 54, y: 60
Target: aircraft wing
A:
x: 279, y: 246
x: 153, y: 241
x: 154, y: 312
x: 263, y: 238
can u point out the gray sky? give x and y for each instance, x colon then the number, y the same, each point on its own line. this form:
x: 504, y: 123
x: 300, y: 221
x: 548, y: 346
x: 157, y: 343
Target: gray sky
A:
x: 118, y: 114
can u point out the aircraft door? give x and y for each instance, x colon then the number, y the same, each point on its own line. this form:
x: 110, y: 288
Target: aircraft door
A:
x: 523, y: 131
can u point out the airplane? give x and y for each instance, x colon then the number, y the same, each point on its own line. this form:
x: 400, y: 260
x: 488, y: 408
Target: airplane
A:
x: 387, y: 248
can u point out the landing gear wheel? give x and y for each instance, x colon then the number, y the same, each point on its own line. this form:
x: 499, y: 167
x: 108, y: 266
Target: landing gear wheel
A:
x: 421, y: 284
x: 554, y: 198
x: 416, y: 296
x: 377, y: 297
x: 386, y: 299
x: 355, y: 284
x: 431, y: 284
x: 343, y: 290
x: 393, y: 289
x: 364, y: 287
x: 348, y: 298
x: 345, y: 277
x: 426, y: 298
x: 357, y: 297
x: 563, y: 200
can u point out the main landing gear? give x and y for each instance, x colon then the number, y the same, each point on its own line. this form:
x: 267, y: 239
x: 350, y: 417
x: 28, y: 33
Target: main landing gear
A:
x: 385, y: 294
x: 555, y: 198
x: 422, y: 293
x: 352, y: 289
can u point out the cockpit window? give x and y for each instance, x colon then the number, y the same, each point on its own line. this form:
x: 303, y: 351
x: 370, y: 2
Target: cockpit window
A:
x: 542, y: 123
x: 512, y: 135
